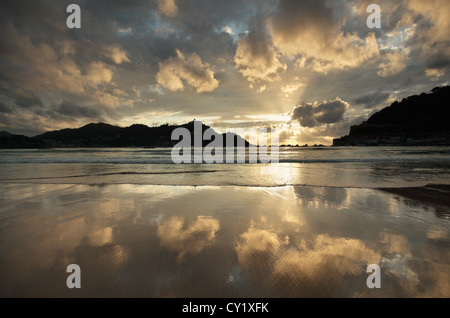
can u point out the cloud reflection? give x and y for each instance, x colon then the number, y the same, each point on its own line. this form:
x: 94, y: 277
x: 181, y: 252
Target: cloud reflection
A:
x: 328, y: 196
x: 269, y: 244
x: 308, y: 264
x: 191, y: 239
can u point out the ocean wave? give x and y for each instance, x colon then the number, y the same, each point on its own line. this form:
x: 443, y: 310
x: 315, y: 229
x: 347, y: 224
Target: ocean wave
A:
x: 112, y: 174
x: 164, y: 160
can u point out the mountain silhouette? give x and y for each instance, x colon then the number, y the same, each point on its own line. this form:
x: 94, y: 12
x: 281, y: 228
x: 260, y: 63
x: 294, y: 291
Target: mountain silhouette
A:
x: 416, y: 120
x: 106, y: 135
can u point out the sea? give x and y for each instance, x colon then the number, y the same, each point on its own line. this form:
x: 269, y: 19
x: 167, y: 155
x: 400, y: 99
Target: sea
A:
x: 350, y: 167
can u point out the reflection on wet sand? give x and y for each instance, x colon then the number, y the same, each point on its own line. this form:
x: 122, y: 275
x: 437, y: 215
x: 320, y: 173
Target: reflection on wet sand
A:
x: 187, y: 240
x: 153, y: 241
x: 335, y: 197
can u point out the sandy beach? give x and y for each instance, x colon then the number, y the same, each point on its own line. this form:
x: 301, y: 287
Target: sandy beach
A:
x: 227, y: 241
x: 438, y: 194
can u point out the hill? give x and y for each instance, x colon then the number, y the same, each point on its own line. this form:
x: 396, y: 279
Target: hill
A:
x: 105, y: 135
x: 11, y: 141
x: 5, y: 134
x: 416, y: 120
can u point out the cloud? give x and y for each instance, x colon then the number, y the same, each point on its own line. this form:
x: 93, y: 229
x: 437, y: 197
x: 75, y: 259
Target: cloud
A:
x: 28, y: 100
x: 117, y: 55
x: 394, y: 64
x: 316, y: 114
x: 168, y: 7
x: 289, y: 89
x: 434, y: 73
x: 436, y: 12
x: 373, y: 99
x: 227, y: 29
x: 99, y: 73
x: 190, y: 69
x: 338, y: 129
x: 5, y: 109
x: 285, y: 136
x: 37, y: 65
x: 309, y: 29
x: 438, y: 62
x: 269, y: 44
x: 71, y: 110
x: 261, y: 89
x: 432, y: 34
x: 299, y: 24
x: 256, y: 58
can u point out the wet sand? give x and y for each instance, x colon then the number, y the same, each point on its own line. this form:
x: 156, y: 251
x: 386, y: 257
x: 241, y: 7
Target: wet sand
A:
x: 184, y: 241
x: 438, y: 194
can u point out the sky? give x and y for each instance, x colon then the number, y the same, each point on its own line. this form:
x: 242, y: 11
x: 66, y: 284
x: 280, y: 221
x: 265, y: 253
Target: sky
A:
x: 309, y: 69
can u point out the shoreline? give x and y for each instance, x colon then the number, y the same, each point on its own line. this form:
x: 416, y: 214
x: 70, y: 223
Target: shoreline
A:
x: 437, y: 195
x: 436, y: 189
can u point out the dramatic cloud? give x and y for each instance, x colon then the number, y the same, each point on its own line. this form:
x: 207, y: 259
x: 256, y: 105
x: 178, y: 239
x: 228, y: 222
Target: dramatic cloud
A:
x: 240, y: 61
x: 316, y: 114
x: 256, y: 58
x: 430, y: 22
x: 309, y: 29
x: 436, y: 12
x: 192, y: 70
